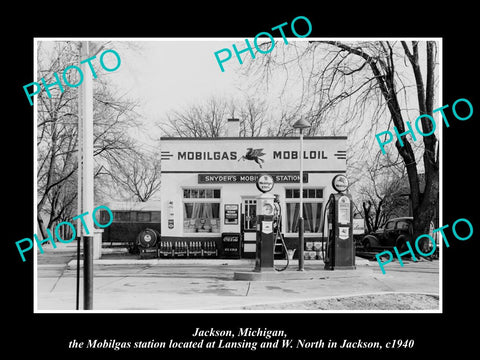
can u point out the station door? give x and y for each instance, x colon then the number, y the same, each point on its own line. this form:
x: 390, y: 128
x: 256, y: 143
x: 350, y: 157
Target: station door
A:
x: 249, y: 226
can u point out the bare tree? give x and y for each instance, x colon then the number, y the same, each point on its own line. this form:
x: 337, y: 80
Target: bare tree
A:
x: 372, y: 82
x: 281, y: 125
x: 252, y: 117
x: 209, y: 119
x: 384, y: 194
x: 206, y: 120
x: 382, y: 62
x: 138, y: 175
x: 57, y: 132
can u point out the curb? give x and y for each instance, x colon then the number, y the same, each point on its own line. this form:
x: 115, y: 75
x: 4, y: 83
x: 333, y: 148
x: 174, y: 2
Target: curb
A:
x: 166, y: 262
x: 72, y: 264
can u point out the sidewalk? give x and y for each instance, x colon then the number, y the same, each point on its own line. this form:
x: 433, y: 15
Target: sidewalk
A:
x: 192, y: 285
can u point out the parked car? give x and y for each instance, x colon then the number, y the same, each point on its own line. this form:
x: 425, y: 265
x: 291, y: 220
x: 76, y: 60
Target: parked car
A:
x: 396, y: 233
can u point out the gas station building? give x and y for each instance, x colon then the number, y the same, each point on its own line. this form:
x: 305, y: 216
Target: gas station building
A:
x: 208, y: 187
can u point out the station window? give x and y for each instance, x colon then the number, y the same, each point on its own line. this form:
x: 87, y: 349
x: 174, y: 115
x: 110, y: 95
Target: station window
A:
x: 201, y: 193
x: 201, y: 210
x: 312, y: 209
x: 307, y: 193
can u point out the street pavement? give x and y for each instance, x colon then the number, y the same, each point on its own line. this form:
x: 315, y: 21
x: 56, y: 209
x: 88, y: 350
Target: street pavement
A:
x: 189, y: 285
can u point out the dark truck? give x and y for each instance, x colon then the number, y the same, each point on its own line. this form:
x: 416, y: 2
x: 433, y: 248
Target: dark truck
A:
x: 396, y: 233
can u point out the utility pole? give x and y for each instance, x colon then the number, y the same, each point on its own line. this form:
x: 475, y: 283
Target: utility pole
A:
x: 85, y: 175
x: 301, y: 124
x: 79, y: 185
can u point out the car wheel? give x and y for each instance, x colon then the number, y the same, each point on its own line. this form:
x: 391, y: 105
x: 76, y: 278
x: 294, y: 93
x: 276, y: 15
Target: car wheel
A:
x: 366, y: 245
x: 425, y: 248
x: 401, y: 245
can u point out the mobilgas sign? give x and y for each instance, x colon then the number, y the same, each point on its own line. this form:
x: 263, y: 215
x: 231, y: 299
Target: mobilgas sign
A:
x: 250, y: 154
x: 230, y: 155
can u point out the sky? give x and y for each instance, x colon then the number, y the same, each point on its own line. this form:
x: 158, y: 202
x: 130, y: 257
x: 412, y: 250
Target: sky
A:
x: 170, y: 74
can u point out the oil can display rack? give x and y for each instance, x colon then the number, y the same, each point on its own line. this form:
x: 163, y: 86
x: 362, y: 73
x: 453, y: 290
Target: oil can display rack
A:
x: 184, y: 249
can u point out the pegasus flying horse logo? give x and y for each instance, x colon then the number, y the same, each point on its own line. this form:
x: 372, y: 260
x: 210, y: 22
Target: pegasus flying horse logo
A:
x: 254, y: 154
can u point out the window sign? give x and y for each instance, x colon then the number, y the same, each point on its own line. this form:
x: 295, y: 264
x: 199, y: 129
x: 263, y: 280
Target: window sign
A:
x: 231, y: 214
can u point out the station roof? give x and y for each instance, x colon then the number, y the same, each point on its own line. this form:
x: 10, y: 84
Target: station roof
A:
x: 262, y: 138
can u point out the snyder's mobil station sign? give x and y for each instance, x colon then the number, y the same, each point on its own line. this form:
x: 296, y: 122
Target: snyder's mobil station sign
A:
x: 232, y: 160
x: 248, y: 178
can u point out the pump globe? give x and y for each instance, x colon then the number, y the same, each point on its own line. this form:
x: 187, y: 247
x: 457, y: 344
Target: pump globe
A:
x: 267, y: 209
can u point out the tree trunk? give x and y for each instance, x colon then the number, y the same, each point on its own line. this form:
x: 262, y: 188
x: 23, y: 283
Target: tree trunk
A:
x: 41, y: 226
x: 424, y: 204
x: 368, y: 221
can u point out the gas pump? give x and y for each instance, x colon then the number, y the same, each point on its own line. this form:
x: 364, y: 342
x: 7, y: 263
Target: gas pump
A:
x: 340, y: 249
x: 269, y: 227
x: 265, y: 234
